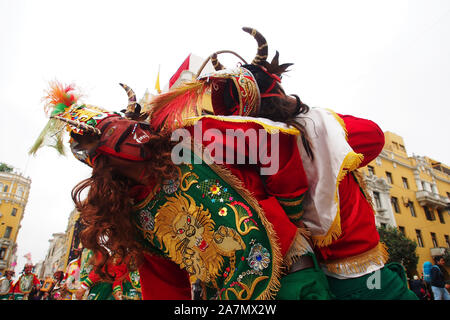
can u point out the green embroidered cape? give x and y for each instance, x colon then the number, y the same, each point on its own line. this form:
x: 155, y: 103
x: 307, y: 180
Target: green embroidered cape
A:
x: 211, y: 226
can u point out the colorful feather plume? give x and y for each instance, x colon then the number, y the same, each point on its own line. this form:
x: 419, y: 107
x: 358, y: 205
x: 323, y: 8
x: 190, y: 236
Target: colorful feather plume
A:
x: 58, y: 100
x: 59, y: 97
x: 169, y: 109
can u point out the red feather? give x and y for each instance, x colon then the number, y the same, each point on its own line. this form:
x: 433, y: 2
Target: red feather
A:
x: 169, y: 108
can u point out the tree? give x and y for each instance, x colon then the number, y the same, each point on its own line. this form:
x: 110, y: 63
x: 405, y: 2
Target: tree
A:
x: 5, y: 168
x: 446, y: 257
x: 400, y: 248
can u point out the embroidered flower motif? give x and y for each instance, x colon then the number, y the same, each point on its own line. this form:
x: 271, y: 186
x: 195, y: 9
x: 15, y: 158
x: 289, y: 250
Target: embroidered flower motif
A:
x: 214, y: 189
x: 170, y: 186
x: 223, y: 212
x: 147, y: 220
x: 259, y: 257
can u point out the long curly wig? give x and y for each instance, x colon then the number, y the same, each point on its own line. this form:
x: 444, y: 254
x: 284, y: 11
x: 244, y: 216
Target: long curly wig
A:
x: 106, y: 209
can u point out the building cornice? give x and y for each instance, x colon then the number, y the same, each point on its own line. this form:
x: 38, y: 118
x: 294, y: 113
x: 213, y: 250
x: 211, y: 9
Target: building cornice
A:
x: 420, y: 162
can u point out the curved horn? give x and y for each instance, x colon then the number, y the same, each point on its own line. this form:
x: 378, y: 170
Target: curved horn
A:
x: 263, y: 49
x: 215, y: 62
x: 216, y: 53
x: 79, y: 124
x: 131, y: 108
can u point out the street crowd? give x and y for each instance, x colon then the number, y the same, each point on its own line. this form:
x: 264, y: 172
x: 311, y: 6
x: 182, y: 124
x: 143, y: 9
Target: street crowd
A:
x: 81, y: 281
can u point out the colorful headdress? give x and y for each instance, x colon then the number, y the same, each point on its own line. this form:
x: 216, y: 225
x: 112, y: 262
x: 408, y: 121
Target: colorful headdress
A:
x: 239, y: 85
x: 65, y: 113
x: 110, y: 133
x: 267, y: 75
x: 232, y: 91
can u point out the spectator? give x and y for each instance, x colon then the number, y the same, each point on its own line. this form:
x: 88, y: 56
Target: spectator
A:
x: 438, y: 285
x: 418, y: 287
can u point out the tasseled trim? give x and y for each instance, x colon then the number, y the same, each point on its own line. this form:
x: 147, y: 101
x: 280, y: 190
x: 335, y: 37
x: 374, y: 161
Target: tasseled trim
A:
x: 362, y: 184
x: 359, y: 263
x: 231, y: 179
x: 350, y: 163
x: 299, y: 247
x: 341, y: 122
x: 270, y: 128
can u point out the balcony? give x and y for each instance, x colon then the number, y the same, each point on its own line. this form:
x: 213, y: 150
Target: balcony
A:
x: 426, y: 198
x: 440, y: 251
x: 9, y: 197
x: 5, y: 242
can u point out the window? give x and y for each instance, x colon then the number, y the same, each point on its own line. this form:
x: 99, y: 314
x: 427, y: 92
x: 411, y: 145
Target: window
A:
x: 441, y: 216
x: 376, y: 196
x: 389, y: 177
x: 429, y: 213
x: 5, y: 188
x: 7, y: 232
x: 395, y: 205
x: 383, y: 225
x: 395, y: 145
x: 402, y: 230
x: 419, y: 238
x: 411, y: 208
x: 14, y: 212
x: 3, y: 253
x: 402, y: 147
x: 405, y: 183
x: 434, y: 240
x: 447, y: 241
x: 372, y: 170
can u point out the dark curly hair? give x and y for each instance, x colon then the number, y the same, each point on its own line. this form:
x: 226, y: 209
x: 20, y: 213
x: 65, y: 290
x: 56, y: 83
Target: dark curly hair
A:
x: 106, y: 210
x: 278, y: 108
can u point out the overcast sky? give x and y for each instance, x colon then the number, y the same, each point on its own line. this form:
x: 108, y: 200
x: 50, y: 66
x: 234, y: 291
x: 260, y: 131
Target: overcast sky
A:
x: 388, y: 61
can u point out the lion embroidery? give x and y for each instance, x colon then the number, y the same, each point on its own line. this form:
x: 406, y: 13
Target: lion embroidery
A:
x: 187, y: 232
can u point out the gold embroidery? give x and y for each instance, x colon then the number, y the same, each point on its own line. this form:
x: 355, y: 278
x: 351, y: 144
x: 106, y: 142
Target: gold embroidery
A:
x: 242, y: 219
x: 187, y: 232
x: 290, y: 203
x: 185, y: 184
x: 246, y: 292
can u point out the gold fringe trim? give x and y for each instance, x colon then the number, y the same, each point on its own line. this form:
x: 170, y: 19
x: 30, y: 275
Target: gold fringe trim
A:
x: 351, y: 162
x: 297, y: 248
x: 296, y: 216
x: 291, y: 203
x: 271, y: 129
x: 341, y: 122
x: 362, y: 184
x: 359, y: 263
x: 274, y: 285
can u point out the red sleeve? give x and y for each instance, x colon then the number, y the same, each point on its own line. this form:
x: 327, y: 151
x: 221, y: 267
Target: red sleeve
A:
x: 267, y: 151
x: 36, y: 280
x: 11, y: 287
x: 275, y: 157
x: 94, y: 277
x: 290, y: 179
x: 364, y: 136
x: 120, y: 273
x: 162, y: 279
